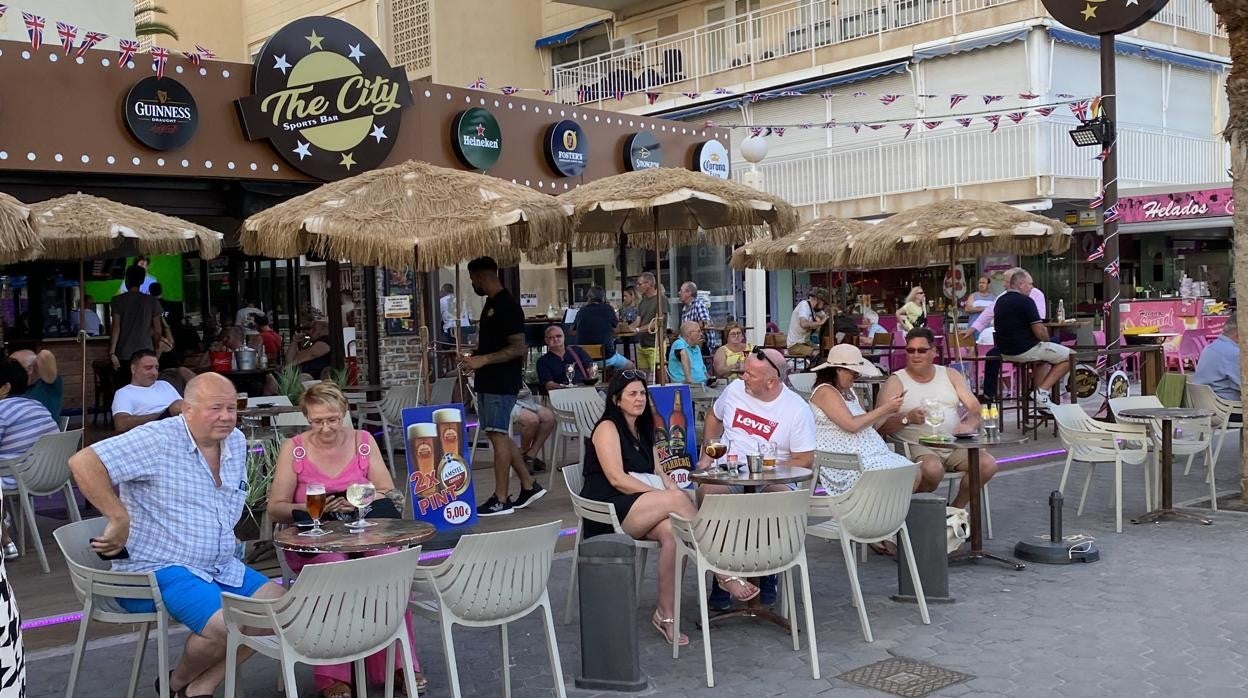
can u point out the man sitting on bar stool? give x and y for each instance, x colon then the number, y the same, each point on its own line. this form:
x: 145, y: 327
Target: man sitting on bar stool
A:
x: 1022, y: 337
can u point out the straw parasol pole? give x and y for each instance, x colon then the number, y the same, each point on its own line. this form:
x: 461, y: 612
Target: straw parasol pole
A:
x: 80, y: 226
x: 667, y: 206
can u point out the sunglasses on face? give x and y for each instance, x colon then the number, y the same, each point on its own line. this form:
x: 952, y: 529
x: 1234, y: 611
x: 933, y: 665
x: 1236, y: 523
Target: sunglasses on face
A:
x: 918, y: 350
x: 762, y: 355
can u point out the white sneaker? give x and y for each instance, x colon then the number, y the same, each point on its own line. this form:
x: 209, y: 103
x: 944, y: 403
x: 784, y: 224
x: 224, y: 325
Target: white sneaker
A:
x: 10, y: 551
x: 1040, y: 398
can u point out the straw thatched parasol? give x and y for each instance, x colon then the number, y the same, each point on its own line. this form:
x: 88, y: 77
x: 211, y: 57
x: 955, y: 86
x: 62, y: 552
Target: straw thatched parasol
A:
x: 77, y: 226
x: 821, y: 244
x: 971, y: 228
x: 413, y: 215
x: 18, y: 239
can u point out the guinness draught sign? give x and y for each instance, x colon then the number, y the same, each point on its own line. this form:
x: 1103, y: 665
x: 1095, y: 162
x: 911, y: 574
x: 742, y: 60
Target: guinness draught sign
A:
x: 160, y: 113
x: 326, y: 98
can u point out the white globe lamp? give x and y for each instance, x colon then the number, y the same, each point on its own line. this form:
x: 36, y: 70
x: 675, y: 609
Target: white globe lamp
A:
x: 753, y: 149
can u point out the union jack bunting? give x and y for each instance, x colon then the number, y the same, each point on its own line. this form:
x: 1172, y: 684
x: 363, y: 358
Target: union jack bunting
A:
x: 652, y: 97
x: 68, y: 34
x: 778, y: 130
x: 806, y: 126
x: 1102, y: 155
x: 1111, y: 214
x: 619, y: 94
x: 478, y: 84
x: 126, y: 49
x: 929, y: 125
x: 3, y: 9
x: 89, y: 40
x: 192, y: 56
x: 160, y: 56
x: 927, y: 96
x: 965, y: 122
x: 1028, y: 95
x: 889, y: 99
x: 547, y: 91
x: 860, y: 93
x: 1097, y: 201
x: 1098, y: 253
x: 755, y: 97
x: 1112, y: 268
x: 907, y: 127
x: 1016, y: 116
x: 827, y: 95
x: 995, y: 120
x: 755, y: 132
x: 691, y: 95
x: 876, y: 127
x: 509, y: 90
x: 34, y: 28
x: 856, y: 127
x: 721, y: 91
x: 955, y: 99
x: 989, y: 99
x: 1080, y: 109
x: 1063, y: 95
x: 790, y: 93
x: 830, y: 124
x: 708, y: 124
x: 205, y: 52
x: 1045, y: 111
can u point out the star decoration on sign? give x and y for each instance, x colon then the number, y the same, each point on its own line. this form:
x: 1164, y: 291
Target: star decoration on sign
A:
x: 314, y: 41
x: 347, y: 160
x: 1089, y: 12
x: 379, y: 132
x: 301, y: 149
x: 356, y: 54
x: 279, y: 63
x: 480, y: 131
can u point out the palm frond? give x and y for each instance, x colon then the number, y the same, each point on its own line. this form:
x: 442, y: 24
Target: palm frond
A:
x: 154, y: 29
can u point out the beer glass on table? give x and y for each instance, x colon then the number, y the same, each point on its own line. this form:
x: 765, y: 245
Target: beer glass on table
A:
x: 360, y: 495
x: 769, y: 455
x: 314, y: 496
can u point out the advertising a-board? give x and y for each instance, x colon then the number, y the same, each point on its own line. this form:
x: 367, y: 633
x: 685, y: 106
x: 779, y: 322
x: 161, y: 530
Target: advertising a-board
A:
x: 674, y: 435
x: 439, y: 473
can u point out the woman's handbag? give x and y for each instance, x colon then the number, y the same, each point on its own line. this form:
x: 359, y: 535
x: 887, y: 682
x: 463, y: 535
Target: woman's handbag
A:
x: 957, y: 527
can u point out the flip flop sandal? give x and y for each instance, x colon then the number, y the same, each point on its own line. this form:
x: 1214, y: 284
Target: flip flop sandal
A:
x: 663, y: 625
x: 422, y: 684
x: 740, y: 582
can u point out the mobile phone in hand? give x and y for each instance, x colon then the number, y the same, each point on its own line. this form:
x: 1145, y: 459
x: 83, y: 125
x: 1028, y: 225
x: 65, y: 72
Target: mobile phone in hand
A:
x: 122, y: 554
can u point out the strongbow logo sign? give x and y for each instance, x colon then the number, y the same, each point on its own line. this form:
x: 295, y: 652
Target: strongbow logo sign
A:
x: 476, y: 138
x: 642, y: 151
x: 160, y: 113
x: 711, y: 157
x: 326, y: 98
x: 566, y: 148
x: 751, y: 423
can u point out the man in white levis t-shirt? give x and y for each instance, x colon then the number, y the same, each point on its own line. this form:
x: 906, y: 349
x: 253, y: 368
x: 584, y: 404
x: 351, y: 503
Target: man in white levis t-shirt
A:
x: 754, y: 412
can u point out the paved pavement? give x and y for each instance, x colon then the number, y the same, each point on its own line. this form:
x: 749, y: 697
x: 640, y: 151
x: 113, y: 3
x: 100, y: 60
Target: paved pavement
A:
x: 1162, y: 613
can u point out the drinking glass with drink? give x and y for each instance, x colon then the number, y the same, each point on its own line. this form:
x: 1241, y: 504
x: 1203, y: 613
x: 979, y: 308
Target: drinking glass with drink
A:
x: 360, y: 495
x: 933, y: 414
x: 315, y: 500
x: 716, y: 449
x: 570, y: 370
x: 768, y: 452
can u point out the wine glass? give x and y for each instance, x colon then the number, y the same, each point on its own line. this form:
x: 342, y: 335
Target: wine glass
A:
x: 360, y: 495
x: 315, y: 499
x: 933, y: 414
x: 570, y: 370
x: 716, y: 449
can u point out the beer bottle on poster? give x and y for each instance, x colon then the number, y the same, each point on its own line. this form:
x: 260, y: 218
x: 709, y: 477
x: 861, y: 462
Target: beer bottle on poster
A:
x: 676, y: 426
x: 660, y: 426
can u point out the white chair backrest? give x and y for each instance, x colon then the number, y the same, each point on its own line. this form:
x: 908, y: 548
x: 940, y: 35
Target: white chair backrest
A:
x: 1201, y: 396
x: 397, y: 399
x: 877, y: 504
x: 496, y: 576
x: 44, y: 469
x: 91, y: 575
x: 339, y: 609
x: 442, y: 392
x: 802, y: 382
x: 292, y: 419
x: 271, y: 400
x: 1133, y: 402
x: 752, y: 532
x: 1072, y: 417
x: 585, y: 403
x: 309, y: 384
x: 587, y: 509
x: 574, y: 477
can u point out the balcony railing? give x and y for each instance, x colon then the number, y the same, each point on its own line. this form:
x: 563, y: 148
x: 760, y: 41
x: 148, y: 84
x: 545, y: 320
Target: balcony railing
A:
x: 768, y: 34
x: 960, y: 158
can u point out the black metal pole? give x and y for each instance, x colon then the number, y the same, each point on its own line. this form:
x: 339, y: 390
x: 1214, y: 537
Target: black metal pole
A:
x: 333, y: 308
x: 1109, y: 179
x: 371, y: 329
x: 571, y: 295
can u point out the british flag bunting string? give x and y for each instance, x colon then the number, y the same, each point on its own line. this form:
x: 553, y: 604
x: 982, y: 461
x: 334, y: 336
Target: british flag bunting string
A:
x: 68, y: 34
x: 34, y: 28
x: 126, y: 48
x: 89, y: 40
x: 160, y: 56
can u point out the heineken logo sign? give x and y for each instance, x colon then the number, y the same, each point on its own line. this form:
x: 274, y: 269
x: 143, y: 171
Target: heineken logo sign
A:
x: 326, y: 98
x: 642, y: 151
x: 566, y: 148
x: 160, y: 113
x: 476, y: 138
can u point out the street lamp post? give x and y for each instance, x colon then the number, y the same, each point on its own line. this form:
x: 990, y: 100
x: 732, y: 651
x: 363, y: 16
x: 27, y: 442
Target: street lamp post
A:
x: 754, y: 149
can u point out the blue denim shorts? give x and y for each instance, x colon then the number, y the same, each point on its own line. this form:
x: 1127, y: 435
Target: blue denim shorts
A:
x: 617, y: 361
x: 494, y: 411
x: 190, y: 600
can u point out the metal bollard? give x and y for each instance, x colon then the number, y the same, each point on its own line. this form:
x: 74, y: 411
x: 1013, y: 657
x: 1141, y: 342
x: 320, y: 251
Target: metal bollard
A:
x: 606, y: 575
x: 926, y: 524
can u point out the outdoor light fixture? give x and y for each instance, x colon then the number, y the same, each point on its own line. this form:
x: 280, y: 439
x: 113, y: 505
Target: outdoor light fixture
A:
x: 1098, y: 131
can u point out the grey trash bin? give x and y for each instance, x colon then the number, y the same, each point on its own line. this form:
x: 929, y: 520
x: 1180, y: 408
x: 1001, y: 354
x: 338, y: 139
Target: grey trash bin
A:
x: 926, y: 525
x: 606, y: 573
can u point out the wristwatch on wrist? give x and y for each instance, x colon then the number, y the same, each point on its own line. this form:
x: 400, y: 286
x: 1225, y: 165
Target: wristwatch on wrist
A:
x: 905, y: 421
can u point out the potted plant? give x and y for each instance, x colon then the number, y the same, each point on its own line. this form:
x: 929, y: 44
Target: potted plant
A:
x: 261, y: 460
x: 290, y: 383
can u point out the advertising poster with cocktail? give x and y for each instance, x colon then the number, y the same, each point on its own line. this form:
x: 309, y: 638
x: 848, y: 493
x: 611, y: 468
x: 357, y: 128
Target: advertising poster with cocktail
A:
x: 674, y: 432
x: 439, y: 472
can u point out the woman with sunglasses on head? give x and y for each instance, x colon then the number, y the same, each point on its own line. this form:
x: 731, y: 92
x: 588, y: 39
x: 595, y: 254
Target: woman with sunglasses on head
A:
x: 621, y: 468
x: 914, y: 313
x: 729, y: 359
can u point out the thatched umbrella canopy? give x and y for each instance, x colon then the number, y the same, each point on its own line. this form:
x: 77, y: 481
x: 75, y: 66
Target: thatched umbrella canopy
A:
x: 965, y: 227
x: 664, y: 206
x: 821, y: 244
x: 412, y: 215
x: 78, y: 226
x: 18, y: 239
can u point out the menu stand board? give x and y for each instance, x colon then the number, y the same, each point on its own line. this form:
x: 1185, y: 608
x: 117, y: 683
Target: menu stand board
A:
x: 439, y: 471
x: 674, y: 435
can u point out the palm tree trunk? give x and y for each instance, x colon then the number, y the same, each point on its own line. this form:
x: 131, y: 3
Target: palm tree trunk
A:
x: 1234, y: 16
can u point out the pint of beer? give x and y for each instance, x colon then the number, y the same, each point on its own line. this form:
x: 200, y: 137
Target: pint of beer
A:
x: 422, y: 443
x: 449, y: 424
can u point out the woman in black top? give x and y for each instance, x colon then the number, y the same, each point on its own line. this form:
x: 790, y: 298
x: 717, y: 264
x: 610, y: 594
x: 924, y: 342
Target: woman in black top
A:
x: 622, y: 445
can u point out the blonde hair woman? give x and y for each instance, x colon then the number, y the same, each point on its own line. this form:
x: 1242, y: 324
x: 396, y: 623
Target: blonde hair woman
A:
x: 729, y: 359
x: 914, y: 313
x: 334, y: 455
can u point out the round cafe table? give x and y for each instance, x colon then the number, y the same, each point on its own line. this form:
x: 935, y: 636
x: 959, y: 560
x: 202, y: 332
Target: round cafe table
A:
x: 1166, y: 415
x: 752, y: 483
x: 388, y: 533
x: 972, y: 447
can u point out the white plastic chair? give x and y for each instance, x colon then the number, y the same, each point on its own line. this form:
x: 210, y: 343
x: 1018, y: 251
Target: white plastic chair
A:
x: 1202, y: 396
x: 1192, y: 437
x: 270, y: 400
x: 948, y: 478
x: 577, y: 410
x: 746, y: 535
x: 873, y: 510
x: 98, y: 588
x: 1098, y: 442
x: 803, y: 383
x: 43, y: 471
x: 600, y: 512
x: 336, y: 612
x: 492, y: 579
